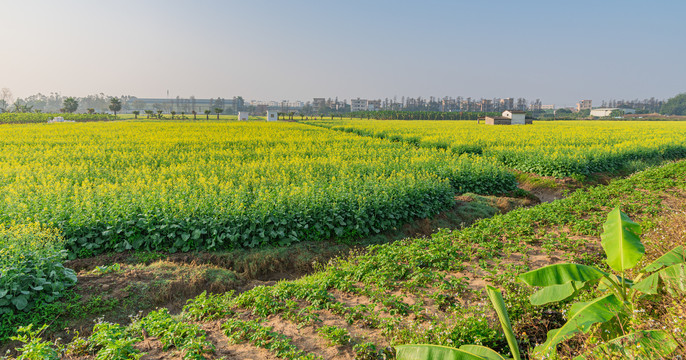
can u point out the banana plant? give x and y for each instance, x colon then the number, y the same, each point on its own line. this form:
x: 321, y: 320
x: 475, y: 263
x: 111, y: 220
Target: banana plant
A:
x: 624, y: 250
x: 466, y: 352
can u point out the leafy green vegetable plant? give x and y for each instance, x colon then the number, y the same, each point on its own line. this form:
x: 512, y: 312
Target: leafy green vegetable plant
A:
x: 335, y: 335
x: 624, y: 250
x: 31, y: 270
x: 34, y: 346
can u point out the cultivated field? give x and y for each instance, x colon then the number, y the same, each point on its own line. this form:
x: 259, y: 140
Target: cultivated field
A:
x: 560, y: 149
x: 180, y: 186
x: 155, y: 188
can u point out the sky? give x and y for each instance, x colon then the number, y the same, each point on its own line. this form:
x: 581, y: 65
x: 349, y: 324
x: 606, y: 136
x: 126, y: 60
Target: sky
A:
x: 558, y: 51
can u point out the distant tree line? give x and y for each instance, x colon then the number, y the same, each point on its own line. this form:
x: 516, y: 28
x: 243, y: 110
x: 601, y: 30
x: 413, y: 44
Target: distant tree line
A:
x: 675, y: 106
x: 644, y: 106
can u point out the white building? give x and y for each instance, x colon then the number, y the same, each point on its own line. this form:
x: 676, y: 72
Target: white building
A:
x: 359, y: 105
x: 272, y: 116
x: 510, y: 117
x: 242, y: 116
x: 517, y: 117
x: 602, y: 112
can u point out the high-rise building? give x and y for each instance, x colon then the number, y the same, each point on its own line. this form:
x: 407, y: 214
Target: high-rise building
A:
x: 583, y: 105
x: 358, y: 104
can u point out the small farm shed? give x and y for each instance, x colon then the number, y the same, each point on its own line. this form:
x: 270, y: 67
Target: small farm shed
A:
x: 242, y: 115
x: 510, y: 117
x: 518, y: 117
x: 498, y: 120
x: 272, y: 116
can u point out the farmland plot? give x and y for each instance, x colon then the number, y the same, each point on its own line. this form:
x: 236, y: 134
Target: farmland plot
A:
x: 423, y: 291
x: 185, y: 186
x: 560, y: 149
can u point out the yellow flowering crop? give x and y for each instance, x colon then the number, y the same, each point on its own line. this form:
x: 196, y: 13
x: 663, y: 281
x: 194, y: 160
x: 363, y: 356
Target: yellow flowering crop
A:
x: 206, y: 185
x: 561, y: 148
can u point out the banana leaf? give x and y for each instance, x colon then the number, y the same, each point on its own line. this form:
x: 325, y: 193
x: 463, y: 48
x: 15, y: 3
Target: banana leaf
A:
x: 620, y: 241
x: 581, y: 317
x: 560, y: 274
x: 555, y: 293
x: 673, y: 257
x: 433, y: 352
x: 673, y: 278
x: 482, y: 351
x: 649, y: 285
x: 652, y: 344
x: 497, y: 300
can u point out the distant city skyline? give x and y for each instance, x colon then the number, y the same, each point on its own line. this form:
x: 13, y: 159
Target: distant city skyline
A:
x: 54, y: 102
x: 298, y: 50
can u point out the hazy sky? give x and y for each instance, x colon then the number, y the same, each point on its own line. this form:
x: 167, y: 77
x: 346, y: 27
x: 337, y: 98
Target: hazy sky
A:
x: 558, y: 51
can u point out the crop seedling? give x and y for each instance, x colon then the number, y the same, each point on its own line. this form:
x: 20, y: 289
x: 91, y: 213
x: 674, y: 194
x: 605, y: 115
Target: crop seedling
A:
x: 335, y: 335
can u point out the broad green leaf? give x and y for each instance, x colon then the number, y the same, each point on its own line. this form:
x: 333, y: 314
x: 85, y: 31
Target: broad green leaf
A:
x: 482, y: 352
x: 20, y: 302
x: 560, y: 274
x: 500, y: 308
x: 649, y: 285
x: 433, y: 352
x: 580, y: 318
x: 3, y: 292
x: 641, y: 345
x: 674, y: 278
x: 555, y: 293
x: 620, y: 241
x: 673, y: 257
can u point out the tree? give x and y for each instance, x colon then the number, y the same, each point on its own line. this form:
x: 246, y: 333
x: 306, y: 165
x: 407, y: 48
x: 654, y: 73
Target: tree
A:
x: 675, y: 105
x: 218, y: 111
x: 135, y: 114
x: 172, y: 114
x: 6, y: 98
x: 159, y: 114
x: 207, y: 113
x: 149, y: 113
x: 115, y: 105
x: 617, y: 113
x: 22, y: 108
x: 195, y: 113
x: 70, y: 104
x: 91, y: 110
